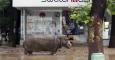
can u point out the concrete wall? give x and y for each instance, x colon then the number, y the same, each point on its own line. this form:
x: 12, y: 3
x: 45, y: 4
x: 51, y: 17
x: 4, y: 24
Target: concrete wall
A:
x: 34, y: 25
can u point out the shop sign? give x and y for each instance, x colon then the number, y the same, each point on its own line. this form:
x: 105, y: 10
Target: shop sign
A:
x: 65, y: 0
x: 49, y: 3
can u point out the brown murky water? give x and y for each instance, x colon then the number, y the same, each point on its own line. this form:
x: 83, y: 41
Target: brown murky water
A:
x: 75, y: 53
x: 62, y: 54
x: 23, y: 57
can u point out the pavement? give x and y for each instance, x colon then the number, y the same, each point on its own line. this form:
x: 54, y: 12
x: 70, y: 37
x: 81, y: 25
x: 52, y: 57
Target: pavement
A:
x: 83, y: 39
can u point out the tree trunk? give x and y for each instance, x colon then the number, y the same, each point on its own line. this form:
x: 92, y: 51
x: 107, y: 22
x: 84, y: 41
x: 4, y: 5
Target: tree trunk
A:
x: 95, y: 41
x: 95, y: 37
x: 112, y: 35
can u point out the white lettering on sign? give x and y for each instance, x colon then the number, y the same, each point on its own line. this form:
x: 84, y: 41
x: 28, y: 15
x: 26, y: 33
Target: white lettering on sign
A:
x: 49, y: 3
x: 54, y: 1
x: 65, y: 1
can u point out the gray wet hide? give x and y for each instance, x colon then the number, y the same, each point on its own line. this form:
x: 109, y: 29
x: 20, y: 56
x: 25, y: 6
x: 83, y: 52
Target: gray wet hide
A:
x: 51, y: 44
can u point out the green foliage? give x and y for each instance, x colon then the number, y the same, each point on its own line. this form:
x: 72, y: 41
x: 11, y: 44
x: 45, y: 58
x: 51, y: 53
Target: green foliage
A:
x: 111, y: 6
x: 4, y: 3
x: 109, y: 3
x: 81, y: 14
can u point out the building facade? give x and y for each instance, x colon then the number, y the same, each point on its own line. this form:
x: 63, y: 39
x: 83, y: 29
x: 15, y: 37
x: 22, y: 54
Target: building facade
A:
x: 44, y: 17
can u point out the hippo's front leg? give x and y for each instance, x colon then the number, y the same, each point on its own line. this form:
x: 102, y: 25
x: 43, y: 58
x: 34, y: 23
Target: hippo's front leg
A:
x: 53, y: 52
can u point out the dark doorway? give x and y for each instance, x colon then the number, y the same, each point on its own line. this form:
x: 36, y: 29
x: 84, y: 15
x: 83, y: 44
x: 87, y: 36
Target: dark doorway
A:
x: 18, y: 34
x: 10, y: 26
x: 112, y: 34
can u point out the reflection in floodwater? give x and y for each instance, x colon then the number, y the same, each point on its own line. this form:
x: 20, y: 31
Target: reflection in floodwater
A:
x: 23, y: 57
x: 74, y: 53
x: 62, y: 54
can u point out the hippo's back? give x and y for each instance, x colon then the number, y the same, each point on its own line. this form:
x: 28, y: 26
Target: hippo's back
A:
x: 41, y: 44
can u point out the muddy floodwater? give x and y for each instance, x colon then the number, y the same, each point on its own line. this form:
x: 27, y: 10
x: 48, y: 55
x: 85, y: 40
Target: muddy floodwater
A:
x: 62, y: 54
x: 23, y: 57
x: 74, y: 53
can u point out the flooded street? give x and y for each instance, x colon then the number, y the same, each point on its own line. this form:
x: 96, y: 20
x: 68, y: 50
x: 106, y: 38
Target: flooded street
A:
x: 37, y: 57
x: 75, y: 53
x: 62, y: 54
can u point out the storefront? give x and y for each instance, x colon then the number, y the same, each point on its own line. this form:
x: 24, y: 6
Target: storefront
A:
x: 44, y: 17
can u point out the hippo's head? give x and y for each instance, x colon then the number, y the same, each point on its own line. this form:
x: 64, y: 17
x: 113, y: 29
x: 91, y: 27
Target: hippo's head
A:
x: 64, y: 42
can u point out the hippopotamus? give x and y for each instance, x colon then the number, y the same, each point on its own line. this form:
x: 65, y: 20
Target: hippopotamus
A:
x: 51, y: 44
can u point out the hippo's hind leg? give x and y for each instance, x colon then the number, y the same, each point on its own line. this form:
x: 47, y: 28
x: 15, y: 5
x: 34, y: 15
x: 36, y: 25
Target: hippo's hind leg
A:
x: 26, y: 52
x: 30, y: 52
